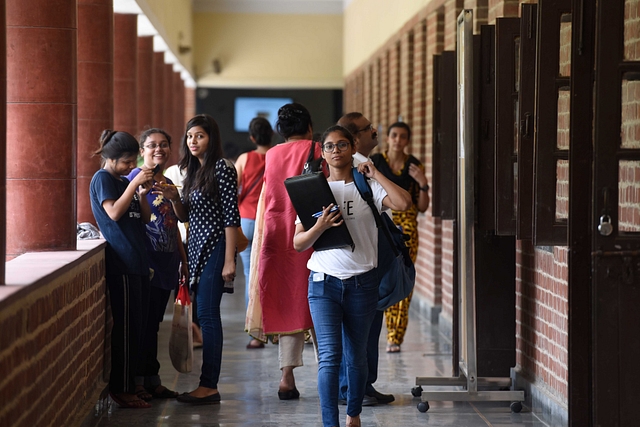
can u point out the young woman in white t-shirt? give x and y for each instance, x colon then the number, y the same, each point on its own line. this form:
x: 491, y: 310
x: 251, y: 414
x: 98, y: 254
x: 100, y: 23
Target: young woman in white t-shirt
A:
x: 343, y: 284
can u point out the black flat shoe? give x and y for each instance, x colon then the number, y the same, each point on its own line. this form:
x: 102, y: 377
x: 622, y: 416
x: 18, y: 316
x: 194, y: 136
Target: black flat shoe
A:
x: 187, y: 398
x: 289, y: 394
x: 379, y: 397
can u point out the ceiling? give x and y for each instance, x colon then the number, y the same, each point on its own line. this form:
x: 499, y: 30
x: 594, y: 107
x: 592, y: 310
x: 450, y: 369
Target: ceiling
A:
x: 321, y: 7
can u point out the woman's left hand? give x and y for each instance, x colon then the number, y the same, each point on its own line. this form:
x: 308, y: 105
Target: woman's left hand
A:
x: 229, y: 271
x: 184, y: 271
x: 418, y: 175
x: 367, y: 169
x: 144, y: 189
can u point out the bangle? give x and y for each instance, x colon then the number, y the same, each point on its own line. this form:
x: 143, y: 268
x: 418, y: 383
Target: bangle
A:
x: 424, y: 187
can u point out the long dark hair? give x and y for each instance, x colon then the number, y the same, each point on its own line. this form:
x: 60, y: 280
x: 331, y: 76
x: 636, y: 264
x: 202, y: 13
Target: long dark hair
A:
x: 197, y: 177
x: 115, y: 145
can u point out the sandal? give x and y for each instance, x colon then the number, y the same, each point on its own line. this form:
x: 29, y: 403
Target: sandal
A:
x: 143, y: 394
x: 132, y: 404
x: 393, y: 348
x: 165, y: 393
x: 254, y: 343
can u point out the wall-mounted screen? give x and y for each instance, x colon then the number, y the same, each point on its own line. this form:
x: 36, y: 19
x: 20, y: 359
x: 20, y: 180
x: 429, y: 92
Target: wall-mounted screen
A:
x: 248, y: 108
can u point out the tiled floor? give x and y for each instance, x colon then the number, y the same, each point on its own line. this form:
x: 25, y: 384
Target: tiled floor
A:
x: 249, y: 385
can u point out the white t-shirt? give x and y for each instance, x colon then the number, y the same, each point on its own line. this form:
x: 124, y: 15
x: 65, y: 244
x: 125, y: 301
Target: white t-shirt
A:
x: 177, y: 176
x: 342, y: 262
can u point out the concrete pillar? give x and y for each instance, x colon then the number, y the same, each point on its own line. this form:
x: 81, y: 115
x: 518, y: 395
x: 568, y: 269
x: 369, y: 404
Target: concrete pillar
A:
x: 146, y: 72
x: 176, y: 117
x: 95, y: 92
x: 3, y: 139
x: 125, y: 73
x: 41, y: 125
x: 158, y: 89
x: 167, y: 96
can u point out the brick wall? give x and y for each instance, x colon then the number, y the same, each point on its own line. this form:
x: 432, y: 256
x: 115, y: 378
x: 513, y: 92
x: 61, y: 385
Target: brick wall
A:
x: 629, y: 170
x: 541, y: 287
x: 542, y: 317
x: 407, y: 80
x: 52, y: 341
x: 190, y: 105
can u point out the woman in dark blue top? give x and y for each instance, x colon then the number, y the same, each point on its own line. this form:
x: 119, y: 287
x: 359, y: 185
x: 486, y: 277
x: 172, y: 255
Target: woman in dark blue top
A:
x: 167, y: 259
x: 210, y: 204
x: 121, y: 209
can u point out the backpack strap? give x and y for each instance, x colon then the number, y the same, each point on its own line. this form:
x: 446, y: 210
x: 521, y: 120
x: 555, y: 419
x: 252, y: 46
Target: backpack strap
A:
x: 365, y: 191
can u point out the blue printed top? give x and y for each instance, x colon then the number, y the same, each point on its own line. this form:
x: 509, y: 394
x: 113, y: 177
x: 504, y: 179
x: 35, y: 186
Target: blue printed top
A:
x: 162, y: 240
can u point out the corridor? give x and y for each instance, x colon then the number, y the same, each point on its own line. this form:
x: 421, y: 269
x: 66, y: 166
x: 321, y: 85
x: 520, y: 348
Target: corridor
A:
x: 249, y: 382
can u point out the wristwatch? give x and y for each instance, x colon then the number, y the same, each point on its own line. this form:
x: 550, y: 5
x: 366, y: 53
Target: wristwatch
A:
x: 424, y: 187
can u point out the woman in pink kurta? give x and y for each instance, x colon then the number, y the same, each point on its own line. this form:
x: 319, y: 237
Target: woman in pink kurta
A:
x: 282, y: 271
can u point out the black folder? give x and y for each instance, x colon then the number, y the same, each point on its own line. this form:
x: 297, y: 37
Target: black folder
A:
x: 308, y: 194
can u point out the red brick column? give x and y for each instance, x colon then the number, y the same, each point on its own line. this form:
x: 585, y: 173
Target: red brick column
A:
x: 383, y: 118
x: 190, y: 106
x: 125, y: 73
x: 146, y: 71
x: 367, y: 109
x: 157, y: 109
x: 3, y: 139
x: 502, y: 9
x: 432, y: 229
x: 167, y: 96
x: 41, y: 125
x: 176, y: 117
x: 407, y: 83
x: 375, y: 91
x: 95, y: 92
x: 394, y: 86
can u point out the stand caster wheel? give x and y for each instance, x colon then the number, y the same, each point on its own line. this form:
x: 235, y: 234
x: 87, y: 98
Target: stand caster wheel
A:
x: 516, y: 407
x: 416, y: 391
x: 423, y: 406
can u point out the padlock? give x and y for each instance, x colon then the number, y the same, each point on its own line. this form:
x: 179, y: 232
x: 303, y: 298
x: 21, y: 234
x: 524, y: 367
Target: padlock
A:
x: 605, y: 228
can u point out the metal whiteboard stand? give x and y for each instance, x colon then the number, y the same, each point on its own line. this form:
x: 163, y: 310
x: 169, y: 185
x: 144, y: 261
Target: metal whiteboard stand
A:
x: 468, y: 379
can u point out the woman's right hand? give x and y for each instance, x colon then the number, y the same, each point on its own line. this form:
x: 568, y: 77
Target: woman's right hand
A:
x: 170, y: 192
x: 329, y: 219
x: 145, y: 175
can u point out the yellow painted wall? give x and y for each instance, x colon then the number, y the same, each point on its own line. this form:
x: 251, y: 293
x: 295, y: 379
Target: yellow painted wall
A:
x: 258, y: 50
x: 368, y: 24
x: 170, y: 18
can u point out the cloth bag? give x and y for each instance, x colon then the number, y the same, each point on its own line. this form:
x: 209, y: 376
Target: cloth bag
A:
x: 396, y: 270
x: 181, y: 339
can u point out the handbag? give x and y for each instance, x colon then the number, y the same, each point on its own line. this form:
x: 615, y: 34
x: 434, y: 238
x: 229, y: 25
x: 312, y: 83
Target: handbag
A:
x: 241, y: 240
x: 396, y: 270
x: 181, y: 338
x: 312, y: 165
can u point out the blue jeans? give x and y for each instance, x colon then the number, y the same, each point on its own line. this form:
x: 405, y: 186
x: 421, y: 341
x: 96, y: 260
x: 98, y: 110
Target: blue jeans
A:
x: 208, y: 300
x: 342, y: 312
x: 248, y: 225
x: 373, y: 354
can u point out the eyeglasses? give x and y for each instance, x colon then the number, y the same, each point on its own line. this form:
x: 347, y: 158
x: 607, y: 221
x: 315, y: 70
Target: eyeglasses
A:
x: 328, y: 147
x: 153, y: 146
x: 366, y: 128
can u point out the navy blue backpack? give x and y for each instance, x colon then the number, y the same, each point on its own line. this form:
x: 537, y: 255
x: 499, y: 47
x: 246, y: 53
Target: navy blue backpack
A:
x: 397, y: 272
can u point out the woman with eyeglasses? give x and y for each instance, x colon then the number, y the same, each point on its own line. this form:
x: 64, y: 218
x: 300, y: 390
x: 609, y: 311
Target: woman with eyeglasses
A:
x: 280, y: 283
x: 167, y: 259
x: 408, y: 172
x: 343, y: 283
